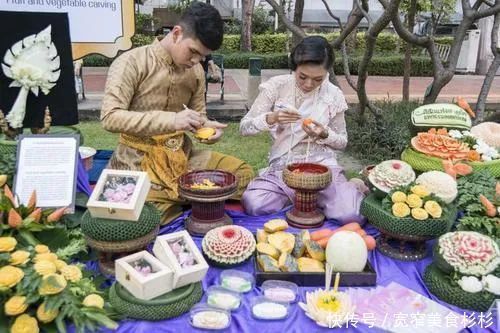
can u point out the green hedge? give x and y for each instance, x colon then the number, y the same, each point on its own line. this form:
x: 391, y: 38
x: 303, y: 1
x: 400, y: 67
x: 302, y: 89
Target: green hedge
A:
x: 269, y: 43
x: 372, y: 144
x: 269, y: 61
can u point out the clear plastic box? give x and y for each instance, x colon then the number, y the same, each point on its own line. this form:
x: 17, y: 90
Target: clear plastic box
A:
x: 206, y: 317
x: 263, y: 308
x: 238, y: 281
x: 223, y: 298
x: 280, y: 291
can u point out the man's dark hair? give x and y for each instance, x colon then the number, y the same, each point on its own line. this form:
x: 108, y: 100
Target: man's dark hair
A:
x: 203, y: 21
x: 312, y: 50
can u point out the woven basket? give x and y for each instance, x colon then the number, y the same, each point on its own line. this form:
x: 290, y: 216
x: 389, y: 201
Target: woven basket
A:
x: 313, y: 177
x: 123, y: 246
x: 424, y: 163
x: 446, y: 290
x: 106, y: 230
x: 372, y: 209
x: 172, y: 304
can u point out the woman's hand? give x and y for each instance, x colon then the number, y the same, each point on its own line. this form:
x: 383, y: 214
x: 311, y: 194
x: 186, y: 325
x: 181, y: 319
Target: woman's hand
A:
x: 283, y: 115
x: 315, y: 130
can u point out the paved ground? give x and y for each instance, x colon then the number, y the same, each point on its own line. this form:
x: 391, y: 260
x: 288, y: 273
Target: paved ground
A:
x: 378, y: 87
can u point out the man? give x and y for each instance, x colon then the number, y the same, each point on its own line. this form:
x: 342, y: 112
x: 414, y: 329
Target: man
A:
x: 145, y: 97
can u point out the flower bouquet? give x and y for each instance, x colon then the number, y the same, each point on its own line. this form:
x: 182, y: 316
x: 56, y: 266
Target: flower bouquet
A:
x: 407, y: 217
x: 465, y: 270
x: 39, y: 290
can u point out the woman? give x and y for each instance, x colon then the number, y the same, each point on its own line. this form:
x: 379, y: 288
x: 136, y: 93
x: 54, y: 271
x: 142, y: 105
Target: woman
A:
x: 282, y: 105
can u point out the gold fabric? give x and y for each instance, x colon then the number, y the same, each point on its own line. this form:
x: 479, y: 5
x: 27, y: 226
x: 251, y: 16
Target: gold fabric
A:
x: 144, y: 90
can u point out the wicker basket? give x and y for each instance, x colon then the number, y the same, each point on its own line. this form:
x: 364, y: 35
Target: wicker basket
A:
x: 307, y: 176
x: 408, y: 228
x: 172, y: 304
x: 104, y: 230
x: 443, y: 288
x: 123, y: 246
x: 424, y: 163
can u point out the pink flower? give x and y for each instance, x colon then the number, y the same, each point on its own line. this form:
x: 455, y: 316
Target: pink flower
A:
x: 108, y: 193
x: 119, y: 196
x: 129, y: 188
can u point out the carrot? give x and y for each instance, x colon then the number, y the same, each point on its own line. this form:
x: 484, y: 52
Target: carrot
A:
x: 462, y: 169
x: 370, y: 242
x: 491, y: 211
x: 448, y: 168
x: 361, y: 232
x: 323, y: 242
x: 322, y: 233
x: 464, y: 105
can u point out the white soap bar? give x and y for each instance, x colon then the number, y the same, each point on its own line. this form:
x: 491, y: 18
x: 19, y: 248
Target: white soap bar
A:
x: 269, y: 310
x: 236, y: 283
x: 210, y: 319
x: 224, y: 301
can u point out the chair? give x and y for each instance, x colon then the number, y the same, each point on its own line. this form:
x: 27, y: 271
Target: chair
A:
x: 219, y: 61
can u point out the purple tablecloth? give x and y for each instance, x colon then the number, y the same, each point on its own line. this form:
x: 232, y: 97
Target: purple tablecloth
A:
x: 408, y: 274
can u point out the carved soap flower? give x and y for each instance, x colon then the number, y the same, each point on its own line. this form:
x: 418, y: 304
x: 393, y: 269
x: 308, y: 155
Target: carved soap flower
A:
x: 420, y: 190
x: 93, y: 300
x: 52, y: 284
x: 7, y: 244
x: 60, y: 264
x: 398, y: 196
x: 52, y: 257
x: 45, y: 267
x: 433, y: 208
x: 414, y: 201
x: 15, y: 305
x: 491, y: 283
x: 19, y: 257
x: 419, y: 214
x: 46, y: 316
x: 71, y: 273
x: 469, y: 252
x: 400, y: 209
x: 25, y: 324
x: 470, y: 284
x: 10, y: 276
x: 40, y: 248
x: 440, y: 184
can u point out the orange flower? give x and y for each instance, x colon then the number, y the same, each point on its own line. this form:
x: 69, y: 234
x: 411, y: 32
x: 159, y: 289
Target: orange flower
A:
x: 36, y: 215
x: 56, y: 215
x: 14, y: 219
x: 8, y: 193
x: 473, y: 156
x: 442, y: 131
x: 32, y: 200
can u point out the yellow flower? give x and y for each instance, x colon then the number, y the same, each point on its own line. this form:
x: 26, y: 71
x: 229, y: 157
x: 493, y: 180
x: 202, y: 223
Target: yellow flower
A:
x: 10, y: 276
x: 398, y: 196
x: 19, y: 257
x: 25, y: 324
x: 7, y: 244
x: 52, y: 257
x: 419, y: 214
x: 60, y: 264
x: 94, y: 300
x: 52, y: 284
x: 433, y: 208
x: 400, y: 209
x: 414, y: 201
x: 15, y: 305
x: 420, y: 190
x: 40, y: 248
x: 45, y: 267
x: 46, y: 316
x: 71, y: 273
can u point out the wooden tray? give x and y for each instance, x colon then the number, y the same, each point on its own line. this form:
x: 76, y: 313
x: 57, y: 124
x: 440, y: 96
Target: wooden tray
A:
x: 368, y: 277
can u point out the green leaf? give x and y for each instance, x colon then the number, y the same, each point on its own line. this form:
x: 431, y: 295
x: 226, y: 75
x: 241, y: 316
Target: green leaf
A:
x: 55, y: 239
x: 61, y: 326
x: 28, y: 237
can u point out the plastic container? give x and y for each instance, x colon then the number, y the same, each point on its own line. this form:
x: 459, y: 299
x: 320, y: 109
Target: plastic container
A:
x: 263, y: 308
x: 238, y: 281
x: 280, y: 291
x: 206, y: 317
x: 223, y: 298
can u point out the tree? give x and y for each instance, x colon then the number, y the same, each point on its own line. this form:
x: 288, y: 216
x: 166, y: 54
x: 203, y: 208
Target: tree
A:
x: 246, y: 28
x: 410, y: 20
x: 297, y: 19
x: 492, y: 70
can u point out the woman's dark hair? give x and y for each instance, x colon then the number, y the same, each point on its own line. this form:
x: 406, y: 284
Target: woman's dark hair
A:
x: 203, y: 21
x: 312, y: 50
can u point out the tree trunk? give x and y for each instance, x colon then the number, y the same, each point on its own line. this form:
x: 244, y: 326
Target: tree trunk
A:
x: 246, y: 25
x: 492, y: 70
x: 297, y: 20
x: 408, y: 47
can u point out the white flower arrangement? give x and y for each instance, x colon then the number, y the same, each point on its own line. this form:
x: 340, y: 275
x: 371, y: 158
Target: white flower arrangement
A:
x: 487, y: 152
x: 440, y: 184
x: 470, y: 284
x: 469, y: 252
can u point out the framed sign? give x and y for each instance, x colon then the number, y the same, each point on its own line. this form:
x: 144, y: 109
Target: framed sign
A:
x: 96, y: 26
x: 47, y: 164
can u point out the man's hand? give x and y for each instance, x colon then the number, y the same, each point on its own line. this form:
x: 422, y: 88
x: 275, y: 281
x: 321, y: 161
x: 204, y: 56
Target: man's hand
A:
x: 218, y: 131
x: 187, y: 120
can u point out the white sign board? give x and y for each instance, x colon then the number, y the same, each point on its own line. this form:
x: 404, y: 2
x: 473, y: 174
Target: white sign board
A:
x: 102, y: 19
x: 47, y: 164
